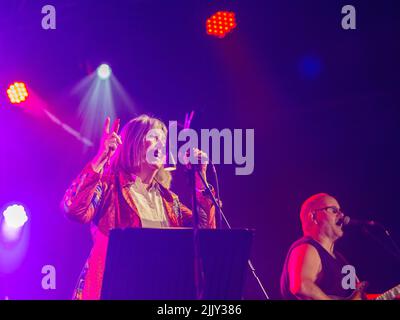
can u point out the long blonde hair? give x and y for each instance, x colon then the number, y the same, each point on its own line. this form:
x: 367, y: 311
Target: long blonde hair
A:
x: 129, y: 156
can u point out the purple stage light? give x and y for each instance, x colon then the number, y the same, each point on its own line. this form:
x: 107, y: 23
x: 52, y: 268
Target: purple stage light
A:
x: 15, y: 216
x: 14, y: 238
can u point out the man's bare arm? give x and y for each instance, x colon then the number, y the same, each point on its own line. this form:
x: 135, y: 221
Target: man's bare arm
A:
x: 304, y: 267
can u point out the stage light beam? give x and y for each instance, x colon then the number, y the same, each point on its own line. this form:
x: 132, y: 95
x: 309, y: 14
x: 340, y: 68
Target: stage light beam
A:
x: 14, y: 238
x: 98, y: 99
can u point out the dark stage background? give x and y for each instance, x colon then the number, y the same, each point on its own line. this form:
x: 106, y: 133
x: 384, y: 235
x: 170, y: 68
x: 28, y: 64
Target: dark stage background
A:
x: 324, y: 103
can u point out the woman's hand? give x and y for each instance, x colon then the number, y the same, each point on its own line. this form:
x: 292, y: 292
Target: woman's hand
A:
x: 110, y: 141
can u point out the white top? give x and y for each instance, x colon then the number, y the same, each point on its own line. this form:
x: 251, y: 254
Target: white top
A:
x: 149, y: 204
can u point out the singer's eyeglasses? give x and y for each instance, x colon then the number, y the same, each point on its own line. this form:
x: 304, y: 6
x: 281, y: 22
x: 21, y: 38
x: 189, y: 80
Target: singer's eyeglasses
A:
x: 332, y: 209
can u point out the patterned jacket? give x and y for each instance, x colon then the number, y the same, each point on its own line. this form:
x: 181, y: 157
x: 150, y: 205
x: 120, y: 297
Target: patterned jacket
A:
x: 105, y: 201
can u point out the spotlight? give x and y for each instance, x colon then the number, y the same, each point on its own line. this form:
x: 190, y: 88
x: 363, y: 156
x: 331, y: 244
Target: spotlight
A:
x: 14, y: 238
x: 15, y: 216
x: 220, y: 24
x: 104, y: 71
x: 17, y: 92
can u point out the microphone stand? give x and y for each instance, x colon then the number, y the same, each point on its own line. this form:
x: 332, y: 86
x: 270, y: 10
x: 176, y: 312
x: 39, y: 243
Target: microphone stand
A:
x: 395, y: 246
x: 396, y: 252
x: 221, y: 214
x: 198, y: 263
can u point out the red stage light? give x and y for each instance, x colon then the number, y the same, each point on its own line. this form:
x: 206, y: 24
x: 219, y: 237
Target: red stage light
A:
x: 17, y: 92
x: 219, y: 25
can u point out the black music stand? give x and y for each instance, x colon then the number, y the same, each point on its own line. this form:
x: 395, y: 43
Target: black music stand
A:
x: 158, y: 264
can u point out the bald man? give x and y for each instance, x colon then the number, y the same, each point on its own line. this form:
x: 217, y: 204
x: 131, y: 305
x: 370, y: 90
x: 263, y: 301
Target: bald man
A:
x: 313, y: 269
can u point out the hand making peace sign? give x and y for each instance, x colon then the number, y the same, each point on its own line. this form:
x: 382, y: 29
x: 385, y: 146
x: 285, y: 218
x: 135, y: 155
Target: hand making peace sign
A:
x: 108, y: 144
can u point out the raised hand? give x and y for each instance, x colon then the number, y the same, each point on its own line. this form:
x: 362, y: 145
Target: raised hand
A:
x: 110, y: 141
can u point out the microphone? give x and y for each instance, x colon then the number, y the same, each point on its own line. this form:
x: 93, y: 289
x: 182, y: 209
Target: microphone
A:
x: 347, y: 221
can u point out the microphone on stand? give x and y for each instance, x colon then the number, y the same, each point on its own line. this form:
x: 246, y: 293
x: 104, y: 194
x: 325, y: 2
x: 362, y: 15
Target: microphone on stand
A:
x: 347, y: 221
